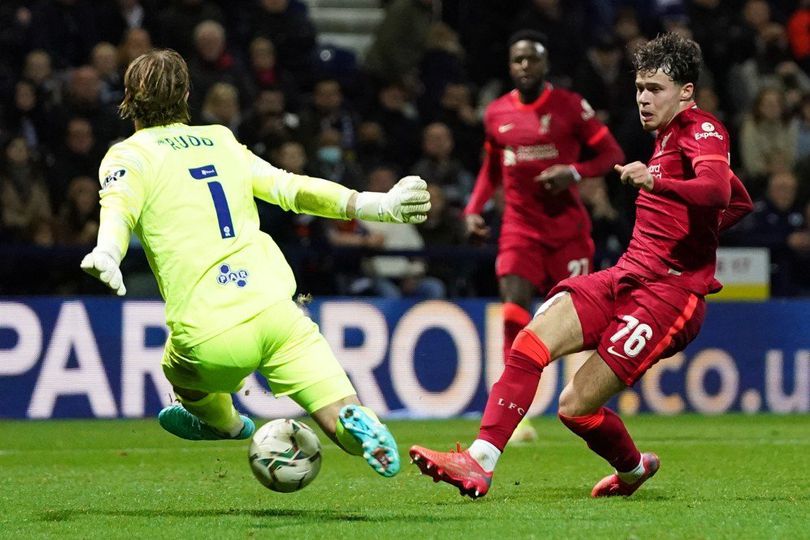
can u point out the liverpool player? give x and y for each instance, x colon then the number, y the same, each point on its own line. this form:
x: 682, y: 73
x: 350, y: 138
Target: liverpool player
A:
x: 534, y: 138
x: 649, y: 306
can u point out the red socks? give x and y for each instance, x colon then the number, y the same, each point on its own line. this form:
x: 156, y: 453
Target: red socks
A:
x: 606, y: 435
x: 514, y: 319
x: 511, y: 397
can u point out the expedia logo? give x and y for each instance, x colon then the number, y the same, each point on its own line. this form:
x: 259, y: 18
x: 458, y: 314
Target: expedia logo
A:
x: 227, y: 275
x: 708, y: 131
x: 112, y: 177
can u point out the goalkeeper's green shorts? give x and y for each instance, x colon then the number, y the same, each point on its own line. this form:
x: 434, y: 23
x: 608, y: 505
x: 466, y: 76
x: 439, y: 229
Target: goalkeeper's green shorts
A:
x: 281, y: 343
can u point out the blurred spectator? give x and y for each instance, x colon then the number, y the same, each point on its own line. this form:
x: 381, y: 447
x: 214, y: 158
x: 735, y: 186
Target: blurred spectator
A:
x: 370, y: 151
x: 331, y: 161
x: 268, y: 124
x: 25, y: 208
x: 212, y: 63
x: 328, y: 110
x: 771, y: 66
x: 444, y: 228
x: 754, y: 17
x: 563, y: 25
x: 28, y: 117
x: 601, y: 80
x: 803, y: 135
x: 400, y: 42
x: 83, y: 98
x: 708, y: 100
x: 66, y: 29
x: 79, y: 156
x: 105, y: 62
x: 438, y: 166
x: 136, y: 42
x: 778, y: 223
x: 38, y: 70
x: 398, y: 117
x: 266, y: 73
x: 711, y: 21
x: 221, y: 106
x: 442, y: 64
x: 114, y: 17
x: 77, y: 221
x: 396, y: 276
x: 457, y: 111
x: 292, y: 32
x: 798, y: 28
x: 179, y: 22
x: 767, y: 139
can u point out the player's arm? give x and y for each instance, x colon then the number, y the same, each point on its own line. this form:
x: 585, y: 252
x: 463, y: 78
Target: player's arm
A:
x: 710, y: 187
x: 407, y: 202
x: 738, y: 207
x: 122, y: 197
x: 596, y: 136
x: 489, y: 176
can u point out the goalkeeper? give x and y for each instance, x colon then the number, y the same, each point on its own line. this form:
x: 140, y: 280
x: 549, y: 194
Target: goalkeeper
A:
x: 188, y: 193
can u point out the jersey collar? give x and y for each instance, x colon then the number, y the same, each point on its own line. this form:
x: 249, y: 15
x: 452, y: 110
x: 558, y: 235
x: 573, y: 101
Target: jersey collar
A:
x: 534, y: 105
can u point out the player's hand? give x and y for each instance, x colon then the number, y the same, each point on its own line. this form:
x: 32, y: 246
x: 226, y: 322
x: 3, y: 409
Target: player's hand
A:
x: 636, y: 175
x: 476, y: 227
x: 102, y: 266
x: 556, y: 178
x: 407, y: 202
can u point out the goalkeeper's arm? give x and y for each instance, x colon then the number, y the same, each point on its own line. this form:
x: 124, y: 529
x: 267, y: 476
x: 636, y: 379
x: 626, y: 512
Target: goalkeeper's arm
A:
x: 103, y: 262
x: 407, y: 202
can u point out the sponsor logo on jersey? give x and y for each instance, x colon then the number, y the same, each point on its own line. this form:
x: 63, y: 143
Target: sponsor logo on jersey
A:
x: 708, y: 131
x: 512, y: 156
x: 112, y: 177
x: 545, y: 124
x: 228, y: 275
x: 655, y: 170
x: 505, y: 127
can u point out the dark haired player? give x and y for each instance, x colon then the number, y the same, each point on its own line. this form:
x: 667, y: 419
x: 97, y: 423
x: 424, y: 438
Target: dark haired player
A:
x: 534, y: 138
x: 649, y: 306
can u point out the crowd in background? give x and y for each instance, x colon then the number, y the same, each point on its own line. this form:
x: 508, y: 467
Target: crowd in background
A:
x: 412, y: 105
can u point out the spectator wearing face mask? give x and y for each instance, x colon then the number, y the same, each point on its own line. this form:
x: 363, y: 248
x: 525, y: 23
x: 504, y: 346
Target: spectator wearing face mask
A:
x: 331, y: 162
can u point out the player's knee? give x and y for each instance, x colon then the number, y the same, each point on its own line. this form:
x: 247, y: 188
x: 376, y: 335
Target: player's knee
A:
x: 567, y: 403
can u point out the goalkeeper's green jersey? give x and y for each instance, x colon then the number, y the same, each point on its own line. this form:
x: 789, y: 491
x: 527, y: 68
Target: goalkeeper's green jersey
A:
x: 188, y: 193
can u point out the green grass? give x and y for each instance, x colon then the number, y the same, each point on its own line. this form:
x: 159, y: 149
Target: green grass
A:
x: 734, y: 477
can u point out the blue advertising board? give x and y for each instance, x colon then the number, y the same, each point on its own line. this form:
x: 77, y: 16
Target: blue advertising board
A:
x: 100, y: 357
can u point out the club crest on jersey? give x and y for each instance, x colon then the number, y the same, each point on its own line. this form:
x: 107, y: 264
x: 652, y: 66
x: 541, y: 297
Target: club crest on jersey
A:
x: 228, y: 275
x: 545, y: 124
x: 112, y: 177
x: 708, y: 131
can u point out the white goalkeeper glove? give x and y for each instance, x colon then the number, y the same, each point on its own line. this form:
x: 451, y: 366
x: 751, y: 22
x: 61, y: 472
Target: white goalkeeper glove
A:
x: 407, y: 202
x: 103, y: 266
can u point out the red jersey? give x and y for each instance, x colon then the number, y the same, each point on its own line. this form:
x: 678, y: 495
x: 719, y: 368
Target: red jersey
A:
x: 522, y: 140
x: 677, y: 224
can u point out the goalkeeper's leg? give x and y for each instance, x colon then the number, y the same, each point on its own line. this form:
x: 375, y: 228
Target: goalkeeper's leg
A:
x: 204, y: 416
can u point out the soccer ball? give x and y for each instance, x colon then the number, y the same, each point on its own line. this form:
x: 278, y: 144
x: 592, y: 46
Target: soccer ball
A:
x: 285, y: 455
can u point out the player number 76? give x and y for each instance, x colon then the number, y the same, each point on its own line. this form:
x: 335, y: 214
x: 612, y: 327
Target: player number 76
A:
x: 637, y: 340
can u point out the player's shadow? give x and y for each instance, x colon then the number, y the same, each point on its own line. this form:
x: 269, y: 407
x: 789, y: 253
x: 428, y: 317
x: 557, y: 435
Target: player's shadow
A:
x: 306, y: 515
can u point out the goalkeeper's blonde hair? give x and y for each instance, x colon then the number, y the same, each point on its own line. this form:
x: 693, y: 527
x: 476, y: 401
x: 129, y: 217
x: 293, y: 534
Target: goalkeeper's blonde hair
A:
x: 156, y: 85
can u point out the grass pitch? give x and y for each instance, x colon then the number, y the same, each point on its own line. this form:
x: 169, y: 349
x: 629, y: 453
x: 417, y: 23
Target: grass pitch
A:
x: 734, y: 477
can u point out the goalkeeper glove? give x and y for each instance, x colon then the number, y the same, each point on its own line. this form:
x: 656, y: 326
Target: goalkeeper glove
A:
x: 103, y: 266
x: 407, y: 202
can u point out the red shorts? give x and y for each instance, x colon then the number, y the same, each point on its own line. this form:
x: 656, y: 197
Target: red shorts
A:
x: 631, y: 320
x: 543, y: 266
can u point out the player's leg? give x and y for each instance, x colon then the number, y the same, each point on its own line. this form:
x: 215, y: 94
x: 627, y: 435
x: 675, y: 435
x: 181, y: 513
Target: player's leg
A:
x: 553, y: 332
x: 650, y: 322
x: 572, y: 318
x: 203, y: 378
x: 300, y: 364
x: 516, y: 294
x: 581, y: 409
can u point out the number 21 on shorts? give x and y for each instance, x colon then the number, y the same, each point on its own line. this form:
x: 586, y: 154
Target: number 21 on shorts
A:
x: 638, y: 338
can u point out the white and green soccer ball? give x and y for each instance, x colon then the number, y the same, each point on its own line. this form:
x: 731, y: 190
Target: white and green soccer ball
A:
x: 285, y: 455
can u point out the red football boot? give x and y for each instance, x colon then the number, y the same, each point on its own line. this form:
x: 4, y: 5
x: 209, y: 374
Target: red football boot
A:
x: 611, y: 486
x: 457, y: 468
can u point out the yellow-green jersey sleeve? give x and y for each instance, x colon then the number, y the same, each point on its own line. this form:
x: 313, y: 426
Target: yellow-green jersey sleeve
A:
x: 187, y: 192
